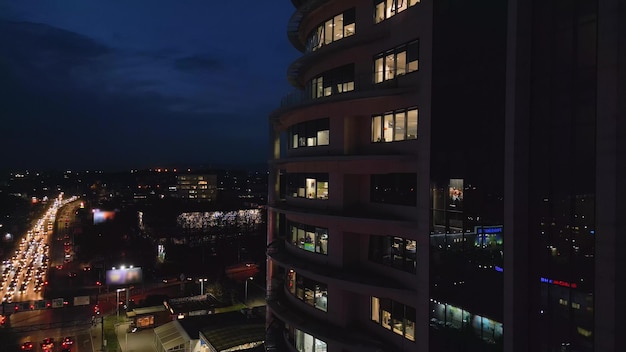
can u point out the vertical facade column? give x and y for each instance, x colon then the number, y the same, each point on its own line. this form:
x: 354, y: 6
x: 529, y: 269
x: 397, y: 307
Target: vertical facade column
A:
x: 610, y: 176
x: 422, y: 306
x: 516, y: 327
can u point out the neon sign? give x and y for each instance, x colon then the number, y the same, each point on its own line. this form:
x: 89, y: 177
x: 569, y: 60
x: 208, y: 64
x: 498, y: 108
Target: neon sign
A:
x: 559, y: 283
x: 483, y: 229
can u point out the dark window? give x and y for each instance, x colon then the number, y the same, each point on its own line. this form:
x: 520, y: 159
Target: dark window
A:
x: 397, y: 252
x: 394, y: 189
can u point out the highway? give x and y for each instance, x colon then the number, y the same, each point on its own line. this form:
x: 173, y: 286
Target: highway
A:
x: 24, y: 274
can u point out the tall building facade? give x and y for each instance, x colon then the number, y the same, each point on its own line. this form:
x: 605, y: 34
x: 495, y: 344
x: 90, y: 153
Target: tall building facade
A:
x: 444, y: 178
x: 565, y: 144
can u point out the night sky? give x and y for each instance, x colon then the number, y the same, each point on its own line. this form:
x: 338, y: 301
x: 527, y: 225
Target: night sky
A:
x: 120, y: 84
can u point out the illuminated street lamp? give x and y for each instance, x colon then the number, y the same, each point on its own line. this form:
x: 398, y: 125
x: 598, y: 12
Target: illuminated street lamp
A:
x: 246, y: 296
x: 202, y: 281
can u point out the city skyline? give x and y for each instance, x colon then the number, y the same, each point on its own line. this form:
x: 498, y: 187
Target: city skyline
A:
x: 102, y: 85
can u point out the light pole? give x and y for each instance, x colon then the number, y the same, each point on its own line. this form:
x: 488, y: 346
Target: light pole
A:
x: 246, y: 296
x: 202, y: 281
x: 117, y: 302
x: 102, y: 332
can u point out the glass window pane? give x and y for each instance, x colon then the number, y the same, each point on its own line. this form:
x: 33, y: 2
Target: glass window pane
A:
x: 390, y: 67
x: 328, y: 32
x: 402, y: 5
x: 401, y: 63
x: 322, y: 190
x: 413, y: 2
x: 299, y: 340
x: 375, y: 309
x: 294, y: 235
x: 338, y: 27
x: 291, y: 281
x: 397, y: 318
x: 348, y: 30
x: 320, y: 346
x: 309, y: 294
x: 376, y: 129
x: 311, y: 142
x: 301, y: 237
x: 294, y: 142
x: 411, y: 126
x: 310, y: 188
x: 379, y: 12
x: 410, y: 255
x: 300, y: 287
x: 318, y: 40
x: 322, y: 241
x: 388, y: 128
x: 309, y: 343
x: 385, y: 309
x: 379, y: 70
x: 409, y: 323
x: 412, y: 56
x: 323, y: 137
x: 399, y: 128
x: 319, y: 87
x: 321, y: 297
x: 391, y: 8
x: 309, y: 241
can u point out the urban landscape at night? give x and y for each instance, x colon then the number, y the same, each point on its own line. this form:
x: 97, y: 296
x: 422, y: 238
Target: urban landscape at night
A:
x: 312, y: 176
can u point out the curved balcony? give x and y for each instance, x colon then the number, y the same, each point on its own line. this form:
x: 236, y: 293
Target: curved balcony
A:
x: 296, y: 69
x: 348, y: 279
x: 349, y: 338
x: 355, y: 216
x: 304, y: 7
x: 359, y: 164
x: 365, y: 88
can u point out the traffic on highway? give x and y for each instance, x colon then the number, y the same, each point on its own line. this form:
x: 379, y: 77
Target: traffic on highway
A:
x: 24, y: 274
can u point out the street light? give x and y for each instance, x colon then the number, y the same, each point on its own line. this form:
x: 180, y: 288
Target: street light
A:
x: 246, y: 297
x: 202, y: 281
x: 117, y: 302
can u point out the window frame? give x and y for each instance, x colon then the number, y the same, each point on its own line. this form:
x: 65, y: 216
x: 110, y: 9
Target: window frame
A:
x: 386, y: 9
x: 387, y: 64
x: 341, y: 26
x: 384, y: 126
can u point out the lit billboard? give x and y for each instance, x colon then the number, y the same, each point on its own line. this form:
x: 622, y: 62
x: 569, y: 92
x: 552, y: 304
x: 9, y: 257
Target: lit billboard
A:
x: 100, y: 216
x: 124, y: 276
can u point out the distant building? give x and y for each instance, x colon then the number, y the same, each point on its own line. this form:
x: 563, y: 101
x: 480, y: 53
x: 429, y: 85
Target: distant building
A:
x: 197, y: 187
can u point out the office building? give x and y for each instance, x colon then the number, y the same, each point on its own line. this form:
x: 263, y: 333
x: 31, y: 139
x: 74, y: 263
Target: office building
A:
x: 441, y: 176
x: 199, y: 187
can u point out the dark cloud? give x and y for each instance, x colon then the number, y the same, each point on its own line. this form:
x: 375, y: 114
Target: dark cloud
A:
x: 197, y: 62
x: 90, y: 85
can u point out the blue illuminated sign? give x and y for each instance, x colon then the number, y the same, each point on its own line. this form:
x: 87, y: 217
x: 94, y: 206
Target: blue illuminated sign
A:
x: 496, y: 229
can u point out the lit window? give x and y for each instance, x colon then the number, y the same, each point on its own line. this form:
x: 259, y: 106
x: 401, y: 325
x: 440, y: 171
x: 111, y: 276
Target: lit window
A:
x: 332, y: 30
x: 395, y: 126
x: 384, y: 9
x: 393, y: 316
x: 396, y: 62
x: 309, y: 291
x: 309, y: 238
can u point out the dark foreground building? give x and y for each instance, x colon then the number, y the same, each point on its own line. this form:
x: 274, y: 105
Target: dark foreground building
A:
x: 446, y: 177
